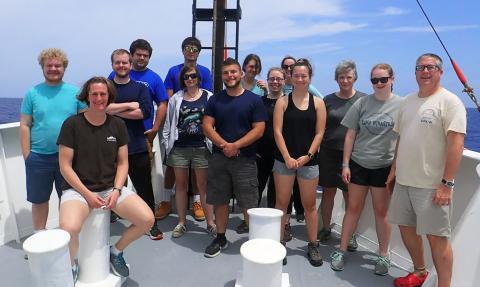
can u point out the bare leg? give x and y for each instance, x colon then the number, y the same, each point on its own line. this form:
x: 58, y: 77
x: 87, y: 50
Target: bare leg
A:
x: 356, y: 202
x: 283, y: 188
x: 72, y: 215
x: 308, y: 192
x: 39, y: 215
x: 326, y: 205
x: 221, y: 217
x: 381, y: 202
x: 181, y: 182
x: 169, y: 178
x: 201, y: 177
x: 414, y: 244
x: 442, y: 258
x: 135, y: 210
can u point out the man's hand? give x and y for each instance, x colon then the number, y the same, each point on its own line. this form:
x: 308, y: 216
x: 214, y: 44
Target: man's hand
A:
x: 230, y: 150
x: 443, y: 195
x: 150, y: 135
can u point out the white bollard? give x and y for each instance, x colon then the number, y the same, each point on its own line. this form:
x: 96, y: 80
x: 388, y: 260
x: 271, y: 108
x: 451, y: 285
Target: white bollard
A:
x: 49, y: 258
x: 94, y: 249
x: 262, y: 263
x: 265, y: 223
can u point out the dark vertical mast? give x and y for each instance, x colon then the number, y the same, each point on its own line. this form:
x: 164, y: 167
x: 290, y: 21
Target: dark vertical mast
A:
x: 218, y: 43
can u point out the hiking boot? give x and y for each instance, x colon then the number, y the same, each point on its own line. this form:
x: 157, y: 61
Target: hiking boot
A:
x: 337, y: 262
x: 215, y: 247
x: 382, y: 265
x: 287, y: 233
x: 163, y: 210
x: 179, y: 230
x: 300, y: 217
x: 411, y: 280
x: 313, y: 254
x: 119, y: 267
x: 212, y: 230
x: 324, y: 235
x: 198, y: 213
x: 352, y: 243
x: 242, y: 228
x: 155, y: 233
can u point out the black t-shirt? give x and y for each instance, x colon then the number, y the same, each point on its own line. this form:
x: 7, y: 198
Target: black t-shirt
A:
x: 190, y: 132
x: 95, y: 149
x: 337, y: 108
x: 266, y: 145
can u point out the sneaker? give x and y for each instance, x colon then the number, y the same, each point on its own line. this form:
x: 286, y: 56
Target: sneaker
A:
x: 25, y: 256
x: 119, y: 267
x: 75, y: 273
x: 287, y: 233
x: 198, y: 213
x: 411, y: 280
x: 324, y: 235
x: 382, y: 265
x: 114, y: 217
x: 300, y: 217
x: 215, y: 247
x: 242, y: 228
x: 155, y: 233
x: 212, y: 230
x: 163, y: 210
x: 338, y: 260
x: 352, y: 243
x: 179, y: 230
x: 314, y: 255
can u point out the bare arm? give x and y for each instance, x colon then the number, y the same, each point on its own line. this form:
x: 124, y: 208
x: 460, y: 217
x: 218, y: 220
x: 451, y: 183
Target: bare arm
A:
x: 136, y: 114
x: 390, y: 183
x: 115, y: 108
x: 347, y: 152
x: 120, y: 176
x: 321, y: 112
x: 170, y: 93
x: 233, y: 149
x: 25, y: 129
x: 159, y: 118
x: 208, y: 126
x: 278, y: 112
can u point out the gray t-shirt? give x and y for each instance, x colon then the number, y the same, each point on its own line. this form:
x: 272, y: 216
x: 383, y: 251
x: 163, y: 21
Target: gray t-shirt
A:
x: 373, y: 120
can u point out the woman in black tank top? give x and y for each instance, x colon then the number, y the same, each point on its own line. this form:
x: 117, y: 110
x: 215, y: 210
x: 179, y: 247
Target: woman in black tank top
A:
x: 299, y: 124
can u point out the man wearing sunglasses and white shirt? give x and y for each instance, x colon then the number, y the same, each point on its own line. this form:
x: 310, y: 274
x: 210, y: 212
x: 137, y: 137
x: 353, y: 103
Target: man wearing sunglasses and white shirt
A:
x: 425, y: 170
x: 191, y: 48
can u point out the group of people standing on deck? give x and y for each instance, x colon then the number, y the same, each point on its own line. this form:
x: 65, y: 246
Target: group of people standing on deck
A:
x: 405, y: 151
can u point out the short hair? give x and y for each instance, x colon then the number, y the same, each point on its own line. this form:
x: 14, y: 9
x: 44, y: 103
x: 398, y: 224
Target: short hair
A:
x: 52, y: 53
x: 254, y: 57
x: 302, y: 62
x: 192, y: 41
x: 231, y: 61
x: 383, y: 66
x: 184, y: 70
x: 431, y: 55
x: 287, y: 57
x: 121, y: 52
x: 141, y: 44
x: 112, y: 91
x: 346, y: 66
x: 277, y: 69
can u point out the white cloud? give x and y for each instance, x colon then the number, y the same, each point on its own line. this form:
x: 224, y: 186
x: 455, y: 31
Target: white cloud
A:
x: 391, y: 10
x: 423, y: 29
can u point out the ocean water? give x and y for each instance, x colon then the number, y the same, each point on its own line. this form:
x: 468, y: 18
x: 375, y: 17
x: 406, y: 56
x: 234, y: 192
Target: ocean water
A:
x: 10, y: 112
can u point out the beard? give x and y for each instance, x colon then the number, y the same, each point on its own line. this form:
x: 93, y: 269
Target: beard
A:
x: 233, y: 85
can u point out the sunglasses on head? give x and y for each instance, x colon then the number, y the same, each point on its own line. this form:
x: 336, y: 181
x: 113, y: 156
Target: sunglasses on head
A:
x: 190, y: 76
x: 191, y: 49
x: 382, y: 80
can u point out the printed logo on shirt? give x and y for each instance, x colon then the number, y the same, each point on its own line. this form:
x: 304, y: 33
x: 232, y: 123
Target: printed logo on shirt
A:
x: 144, y: 83
x: 378, y: 124
x: 112, y: 139
x: 428, y: 117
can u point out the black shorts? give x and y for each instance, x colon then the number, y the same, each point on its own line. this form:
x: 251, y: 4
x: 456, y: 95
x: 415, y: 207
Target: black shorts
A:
x: 330, y: 169
x: 368, y: 177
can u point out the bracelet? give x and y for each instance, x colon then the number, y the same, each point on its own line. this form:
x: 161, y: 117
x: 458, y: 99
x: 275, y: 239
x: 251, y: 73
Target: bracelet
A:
x: 344, y: 165
x: 119, y: 190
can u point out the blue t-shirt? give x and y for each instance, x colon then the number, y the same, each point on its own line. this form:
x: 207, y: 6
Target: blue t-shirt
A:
x: 49, y: 106
x: 135, y: 92
x: 190, y: 132
x: 155, y: 85
x: 234, y: 117
x: 172, y: 80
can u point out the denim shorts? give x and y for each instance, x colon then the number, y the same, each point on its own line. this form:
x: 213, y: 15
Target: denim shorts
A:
x: 196, y: 157
x: 306, y: 171
x: 41, y: 171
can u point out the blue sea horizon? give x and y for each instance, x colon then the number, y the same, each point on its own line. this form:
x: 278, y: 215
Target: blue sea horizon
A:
x: 10, y: 112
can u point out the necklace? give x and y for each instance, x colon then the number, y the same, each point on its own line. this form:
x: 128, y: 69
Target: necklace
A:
x: 190, y: 96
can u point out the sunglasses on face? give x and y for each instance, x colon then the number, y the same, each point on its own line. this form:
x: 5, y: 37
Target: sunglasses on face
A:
x: 190, y: 76
x: 191, y: 49
x: 287, y: 67
x: 382, y: 80
x: 429, y: 68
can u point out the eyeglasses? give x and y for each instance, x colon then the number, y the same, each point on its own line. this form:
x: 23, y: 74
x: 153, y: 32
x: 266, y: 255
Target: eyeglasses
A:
x: 287, y: 67
x: 382, y: 80
x: 429, y: 68
x: 190, y: 76
x: 191, y: 49
x: 275, y: 79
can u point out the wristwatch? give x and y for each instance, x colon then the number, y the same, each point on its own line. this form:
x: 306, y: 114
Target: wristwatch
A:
x: 310, y: 155
x: 448, y: 183
x: 119, y: 190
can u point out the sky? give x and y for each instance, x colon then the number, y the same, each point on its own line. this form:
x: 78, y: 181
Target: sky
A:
x: 323, y: 31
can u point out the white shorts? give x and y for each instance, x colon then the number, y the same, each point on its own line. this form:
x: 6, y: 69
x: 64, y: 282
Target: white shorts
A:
x: 72, y: 194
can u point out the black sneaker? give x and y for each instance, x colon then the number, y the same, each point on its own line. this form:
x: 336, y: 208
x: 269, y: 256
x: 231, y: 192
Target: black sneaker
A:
x: 324, y: 235
x: 75, y: 273
x: 284, y: 262
x: 242, y: 228
x: 114, y: 217
x: 287, y: 233
x: 215, y: 247
x: 313, y: 254
x: 300, y: 217
x: 155, y: 233
x: 119, y: 267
